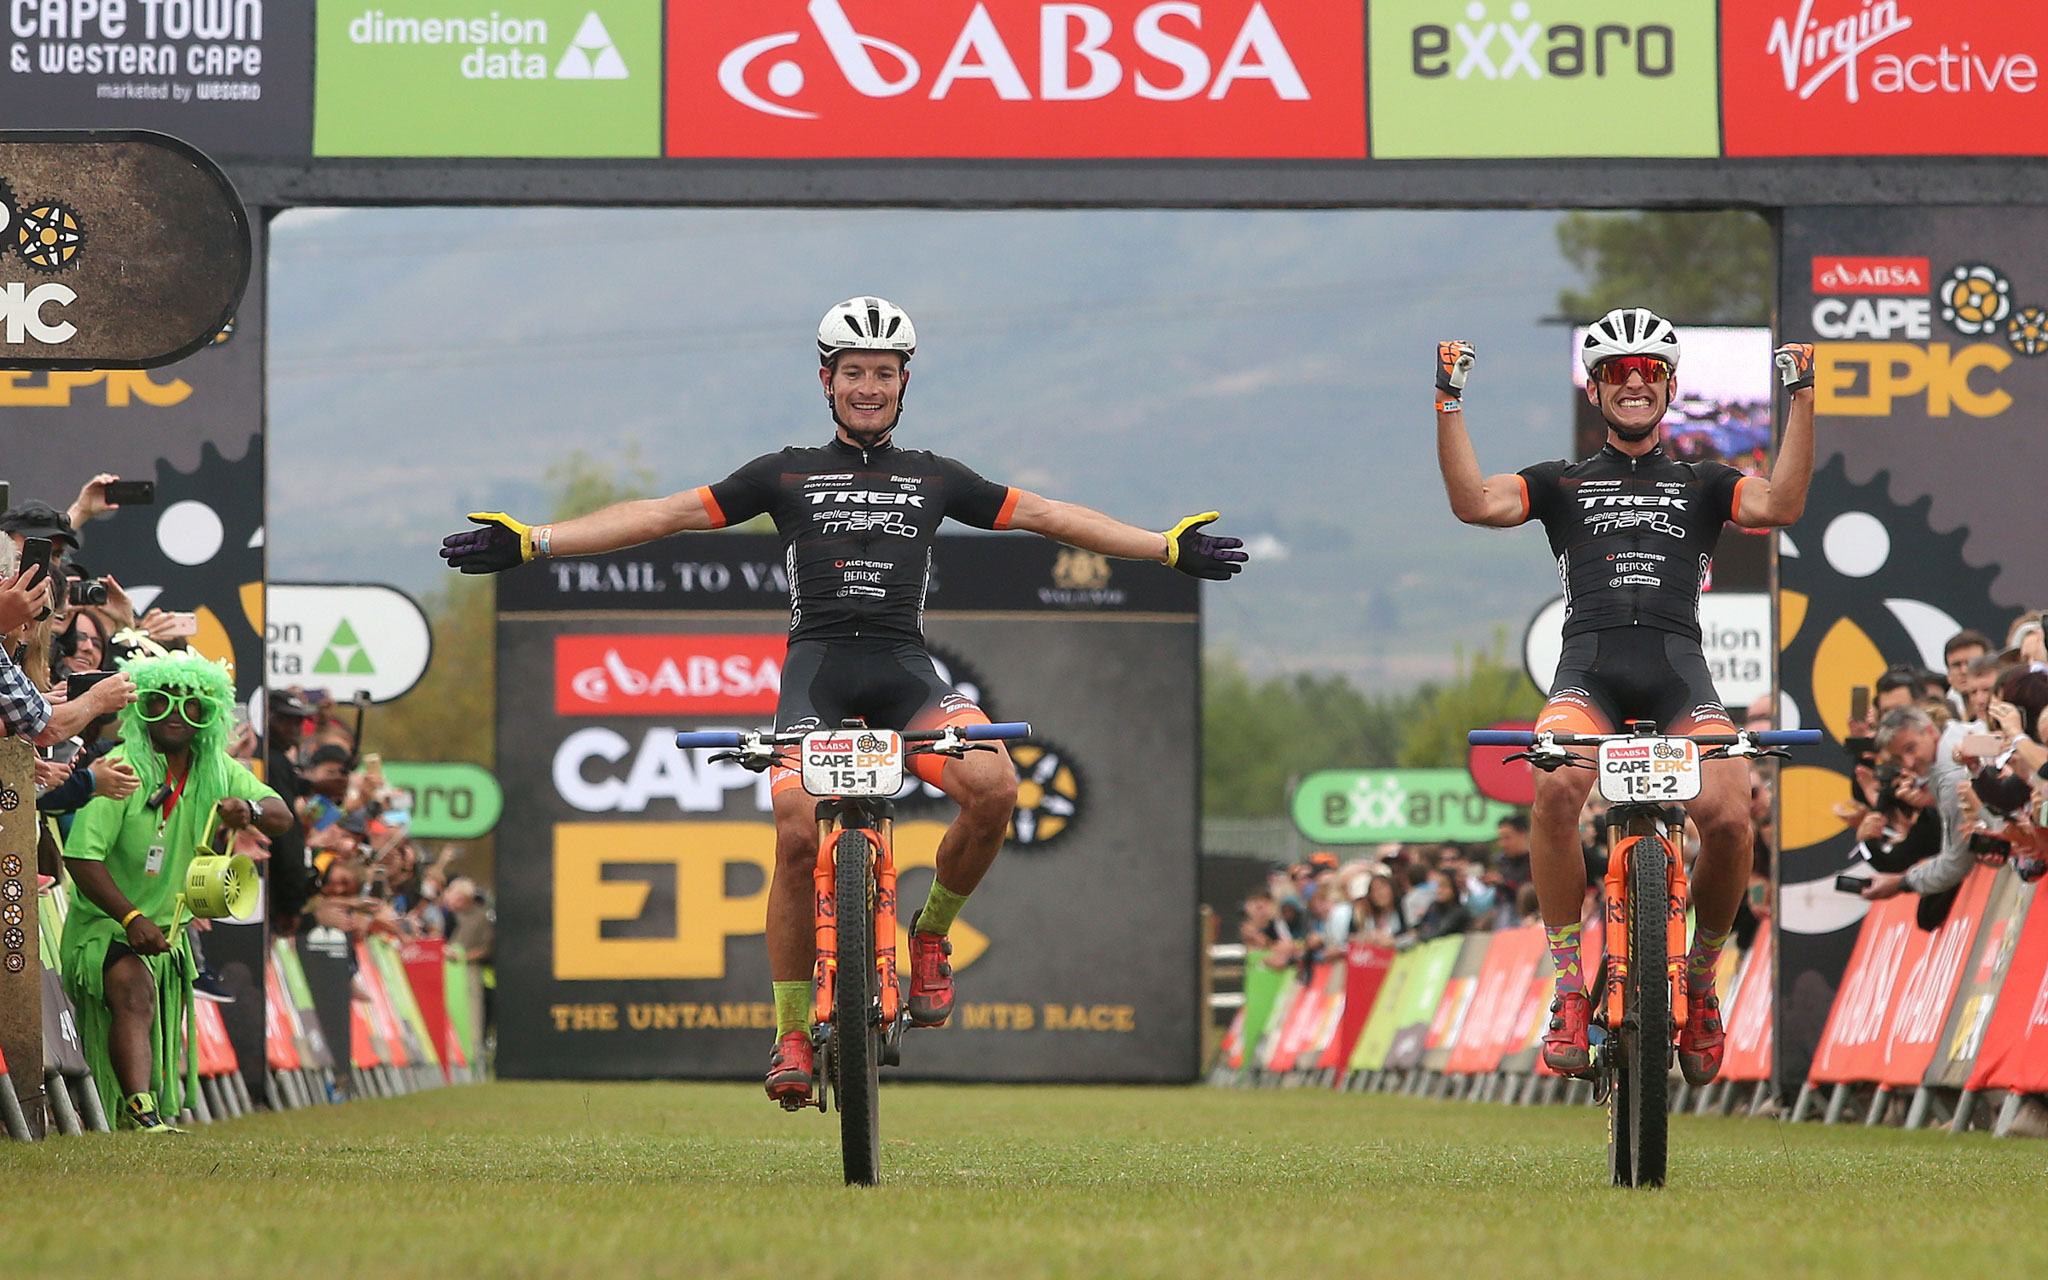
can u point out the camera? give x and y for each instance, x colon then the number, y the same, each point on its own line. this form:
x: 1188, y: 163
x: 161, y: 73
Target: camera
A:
x: 88, y: 591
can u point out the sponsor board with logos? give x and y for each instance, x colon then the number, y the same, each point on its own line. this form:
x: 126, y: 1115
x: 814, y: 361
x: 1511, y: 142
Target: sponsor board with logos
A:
x: 1883, y: 77
x: 232, y: 77
x: 1929, y: 335
x: 345, y: 639
x: 1016, y: 78
x: 569, y: 78
x: 1371, y: 806
x: 637, y: 874
x: 1467, y: 79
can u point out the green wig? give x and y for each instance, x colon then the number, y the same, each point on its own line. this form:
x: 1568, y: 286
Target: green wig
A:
x: 181, y: 674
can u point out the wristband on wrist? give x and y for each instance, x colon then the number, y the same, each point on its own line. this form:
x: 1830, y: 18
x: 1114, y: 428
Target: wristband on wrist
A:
x: 543, y: 542
x: 130, y: 917
x: 1449, y: 404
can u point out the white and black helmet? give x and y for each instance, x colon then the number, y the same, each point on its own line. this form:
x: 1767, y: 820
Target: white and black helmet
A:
x: 1629, y: 331
x: 866, y: 324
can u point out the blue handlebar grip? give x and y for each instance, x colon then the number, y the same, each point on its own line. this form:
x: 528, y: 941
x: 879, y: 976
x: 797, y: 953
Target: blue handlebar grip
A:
x: 1007, y: 729
x: 1501, y: 738
x: 1786, y: 737
x: 709, y: 738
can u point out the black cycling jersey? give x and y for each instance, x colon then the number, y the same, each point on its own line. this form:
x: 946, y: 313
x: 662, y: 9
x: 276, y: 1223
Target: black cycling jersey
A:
x: 857, y: 530
x: 1633, y: 537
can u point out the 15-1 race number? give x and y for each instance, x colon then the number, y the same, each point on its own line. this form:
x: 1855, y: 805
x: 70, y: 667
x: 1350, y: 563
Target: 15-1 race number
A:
x: 853, y: 762
x: 1649, y: 770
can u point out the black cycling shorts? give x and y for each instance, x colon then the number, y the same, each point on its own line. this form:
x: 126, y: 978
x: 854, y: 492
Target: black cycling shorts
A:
x: 1607, y: 678
x: 891, y: 684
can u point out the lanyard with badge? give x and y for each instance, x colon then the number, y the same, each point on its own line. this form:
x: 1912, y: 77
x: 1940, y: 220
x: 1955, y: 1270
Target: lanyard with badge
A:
x: 154, y: 864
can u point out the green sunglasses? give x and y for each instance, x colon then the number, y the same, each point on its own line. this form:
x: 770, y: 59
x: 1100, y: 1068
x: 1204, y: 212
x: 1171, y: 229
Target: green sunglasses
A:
x: 195, y: 711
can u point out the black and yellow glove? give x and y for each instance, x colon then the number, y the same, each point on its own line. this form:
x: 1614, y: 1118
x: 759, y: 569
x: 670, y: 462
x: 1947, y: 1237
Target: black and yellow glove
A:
x: 1198, y: 555
x: 502, y: 543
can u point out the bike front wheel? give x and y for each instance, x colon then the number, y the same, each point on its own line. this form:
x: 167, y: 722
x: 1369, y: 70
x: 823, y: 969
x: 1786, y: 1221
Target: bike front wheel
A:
x: 856, y: 1060
x: 1638, y: 1119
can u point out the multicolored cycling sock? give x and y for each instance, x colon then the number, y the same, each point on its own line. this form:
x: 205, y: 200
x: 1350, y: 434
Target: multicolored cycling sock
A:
x: 939, y: 909
x: 792, y: 1007
x: 1704, y: 959
x: 1564, y: 953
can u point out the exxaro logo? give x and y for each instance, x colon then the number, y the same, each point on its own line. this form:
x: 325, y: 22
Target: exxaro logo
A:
x: 1813, y: 48
x: 1568, y: 50
x: 1075, y: 59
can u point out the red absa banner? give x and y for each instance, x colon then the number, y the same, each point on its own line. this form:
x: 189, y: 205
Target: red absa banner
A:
x: 652, y: 675
x: 1016, y: 79
x: 1883, y: 77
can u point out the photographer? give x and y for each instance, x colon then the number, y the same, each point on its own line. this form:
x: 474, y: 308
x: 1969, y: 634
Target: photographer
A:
x: 1929, y: 778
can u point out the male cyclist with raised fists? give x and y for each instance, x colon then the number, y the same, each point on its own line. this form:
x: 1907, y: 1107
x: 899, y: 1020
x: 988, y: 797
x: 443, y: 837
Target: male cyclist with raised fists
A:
x: 858, y: 517
x: 1633, y: 530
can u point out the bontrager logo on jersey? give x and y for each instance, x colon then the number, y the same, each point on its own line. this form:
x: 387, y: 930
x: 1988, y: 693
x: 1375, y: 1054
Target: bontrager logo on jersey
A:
x: 980, y: 77
x: 667, y: 674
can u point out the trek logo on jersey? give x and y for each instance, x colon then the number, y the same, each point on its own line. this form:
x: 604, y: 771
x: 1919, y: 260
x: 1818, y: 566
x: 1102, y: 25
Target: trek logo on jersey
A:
x: 1266, y: 78
x: 1632, y: 500
x: 866, y: 498
x: 667, y: 674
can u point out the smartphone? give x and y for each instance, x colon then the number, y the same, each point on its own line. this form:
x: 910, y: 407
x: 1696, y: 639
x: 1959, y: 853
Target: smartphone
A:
x: 1980, y: 746
x: 37, y: 552
x: 78, y: 682
x: 184, y: 624
x: 131, y: 493
x: 1851, y: 884
x: 6, y: 492
x: 1859, y: 703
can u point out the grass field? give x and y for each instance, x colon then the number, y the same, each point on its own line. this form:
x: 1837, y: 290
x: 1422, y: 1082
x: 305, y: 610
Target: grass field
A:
x: 709, y: 1180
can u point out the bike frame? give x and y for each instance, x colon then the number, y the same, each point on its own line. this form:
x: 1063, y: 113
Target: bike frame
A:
x: 876, y: 820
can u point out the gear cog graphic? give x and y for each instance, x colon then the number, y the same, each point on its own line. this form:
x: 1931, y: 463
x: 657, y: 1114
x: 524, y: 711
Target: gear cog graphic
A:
x: 48, y: 236
x: 1051, y: 793
x: 1975, y: 298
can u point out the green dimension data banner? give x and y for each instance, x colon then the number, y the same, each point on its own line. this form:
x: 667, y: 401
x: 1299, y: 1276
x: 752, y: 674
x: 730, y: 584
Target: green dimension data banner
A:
x: 1369, y: 806
x: 525, y: 78
x: 1491, y: 79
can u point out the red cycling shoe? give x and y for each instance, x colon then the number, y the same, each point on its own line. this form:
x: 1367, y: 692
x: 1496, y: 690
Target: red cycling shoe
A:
x: 1567, y: 1047
x: 791, y: 1070
x: 931, y: 978
x: 1701, y: 1043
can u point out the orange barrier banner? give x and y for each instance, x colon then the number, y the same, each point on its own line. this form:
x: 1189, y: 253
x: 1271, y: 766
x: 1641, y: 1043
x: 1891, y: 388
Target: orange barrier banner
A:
x: 1969, y: 1013
x: 1302, y: 1020
x: 383, y: 1018
x: 362, y: 1047
x: 1914, y: 1030
x: 1365, y: 973
x: 216, y: 1052
x: 1456, y: 1005
x: 1493, y: 1025
x: 425, y: 961
x: 1748, y: 1015
x: 2015, y: 1052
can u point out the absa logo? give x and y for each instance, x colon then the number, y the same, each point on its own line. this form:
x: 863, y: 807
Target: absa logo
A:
x: 1018, y: 78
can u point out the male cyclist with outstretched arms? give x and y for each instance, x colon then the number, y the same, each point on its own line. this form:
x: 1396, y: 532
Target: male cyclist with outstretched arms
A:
x: 858, y: 517
x: 1633, y: 530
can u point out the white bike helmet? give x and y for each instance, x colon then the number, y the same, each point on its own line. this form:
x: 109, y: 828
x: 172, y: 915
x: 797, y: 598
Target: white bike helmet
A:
x: 866, y: 324
x: 1629, y: 331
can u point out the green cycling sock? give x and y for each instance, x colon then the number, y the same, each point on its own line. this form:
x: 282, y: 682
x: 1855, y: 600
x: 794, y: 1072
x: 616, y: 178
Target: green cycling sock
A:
x: 939, y: 909
x: 792, y: 1007
x: 1704, y: 959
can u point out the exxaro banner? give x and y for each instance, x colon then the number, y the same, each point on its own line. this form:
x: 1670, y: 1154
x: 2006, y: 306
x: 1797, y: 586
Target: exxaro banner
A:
x: 1016, y: 78
x: 541, y: 78
x: 1470, y: 79
x: 232, y: 77
x: 1884, y: 77
x: 1930, y: 330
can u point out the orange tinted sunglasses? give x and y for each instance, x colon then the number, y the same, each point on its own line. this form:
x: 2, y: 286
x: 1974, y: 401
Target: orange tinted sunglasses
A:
x: 1615, y: 371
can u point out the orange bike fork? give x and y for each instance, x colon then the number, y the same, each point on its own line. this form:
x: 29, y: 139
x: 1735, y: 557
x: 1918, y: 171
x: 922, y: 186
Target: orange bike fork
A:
x: 1614, y: 933
x: 1615, y: 936
x: 825, y: 891
x: 826, y: 914
x: 886, y: 979
x: 1678, y: 894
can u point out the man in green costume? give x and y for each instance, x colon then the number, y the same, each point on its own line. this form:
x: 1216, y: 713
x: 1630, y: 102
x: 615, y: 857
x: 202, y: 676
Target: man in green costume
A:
x: 127, y: 961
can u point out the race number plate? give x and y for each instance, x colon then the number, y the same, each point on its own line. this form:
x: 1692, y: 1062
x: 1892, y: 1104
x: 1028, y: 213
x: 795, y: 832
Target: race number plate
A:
x: 1649, y: 770
x: 853, y: 762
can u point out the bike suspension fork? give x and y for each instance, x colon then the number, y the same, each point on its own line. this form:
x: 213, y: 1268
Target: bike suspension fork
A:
x: 886, y: 975
x: 826, y: 913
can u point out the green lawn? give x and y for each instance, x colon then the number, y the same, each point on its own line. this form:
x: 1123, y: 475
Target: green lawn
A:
x: 697, y: 1180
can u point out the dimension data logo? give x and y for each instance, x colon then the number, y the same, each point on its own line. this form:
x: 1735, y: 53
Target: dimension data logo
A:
x: 1508, y: 78
x: 458, y: 77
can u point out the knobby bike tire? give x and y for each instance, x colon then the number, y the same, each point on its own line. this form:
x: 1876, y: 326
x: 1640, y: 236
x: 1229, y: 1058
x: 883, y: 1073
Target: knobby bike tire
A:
x: 1647, y: 999
x: 856, y: 1064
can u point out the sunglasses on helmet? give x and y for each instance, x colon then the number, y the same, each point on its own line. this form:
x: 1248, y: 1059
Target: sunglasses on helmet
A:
x: 1615, y: 371
x: 157, y: 704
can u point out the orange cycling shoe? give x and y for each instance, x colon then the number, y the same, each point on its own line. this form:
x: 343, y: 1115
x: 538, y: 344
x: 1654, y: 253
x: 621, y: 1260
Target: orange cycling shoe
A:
x: 1566, y: 1045
x: 790, y: 1070
x: 931, y: 979
x: 1700, y: 1044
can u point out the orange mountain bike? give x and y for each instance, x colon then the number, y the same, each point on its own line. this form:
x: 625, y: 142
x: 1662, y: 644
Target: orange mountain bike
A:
x: 1641, y: 1004
x: 858, y: 1013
